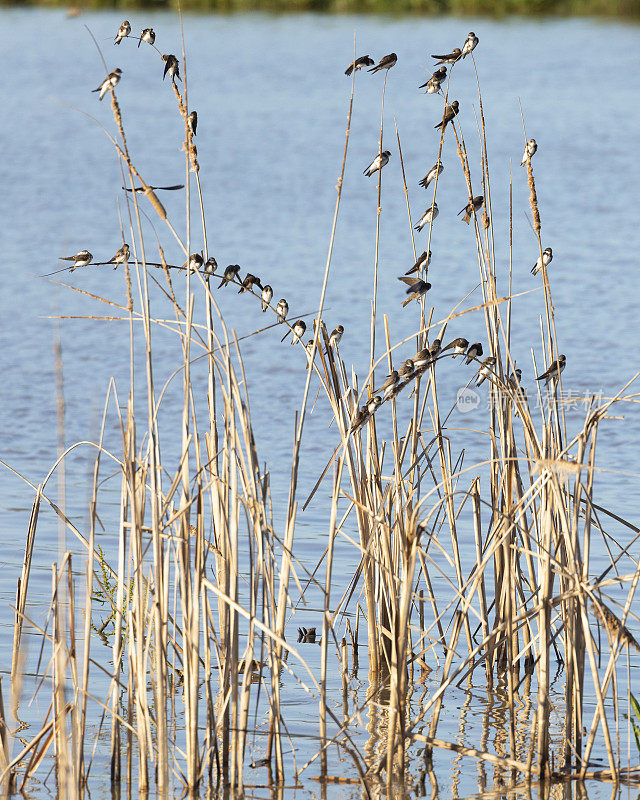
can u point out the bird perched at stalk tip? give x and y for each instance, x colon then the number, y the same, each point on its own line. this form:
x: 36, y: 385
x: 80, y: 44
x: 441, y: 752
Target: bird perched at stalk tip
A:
x: 529, y: 151
x: 359, y: 63
x: 470, y: 44
x: 385, y: 63
x: 112, y: 79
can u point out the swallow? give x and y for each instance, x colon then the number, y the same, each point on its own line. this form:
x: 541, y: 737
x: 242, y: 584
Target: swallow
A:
x: 142, y: 189
x: 378, y: 162
x: 248, y: 283
x: 449, y: 58
x: 475, y: 204
x: 171, y: 66
x: 390, y: 384
x: 309, y: 348
x: 417, y: 288
x: 474, y: 351
x: 515, y: 378
x: 554, y: 370
x: 363, y: 61
x: 336, y: 336
x: 230, y: 274
x: 123, y: 31
x: 459, y: 345
x: 148, y: 35
x: 436, y: 169
x: 194, y: 262
x: 486, y: 370
x: 385, y: 63
x: 406, y: 370
x: 543, y: 261
x: 470, y: 44
x: 450, y: 112
x: 297, y: 331
x: 435, y: 81
x: 422, y: 263
x: 267, y: 295
x: 373, y: 404
x: 429, y: 215
x: 192, y: 122
x: 81, y: 259
x: 282, y: 309
x: 359, y: 419
x: 111, y: 80
x: 529, y: 151
x: 434, y: 350
x: 121, y: 257
x: 422, y: 358
x: 210, y: 266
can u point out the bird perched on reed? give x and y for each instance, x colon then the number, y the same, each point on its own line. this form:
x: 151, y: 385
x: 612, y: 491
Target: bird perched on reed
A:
x: 266, y: 296
x: 486, y: 370
x: 450, y: 112
x: 282, y: 309
x: 359, y: 63
x: 230, y: 274
x: 148, y: 35
x: 123, y: 31
x: 474, y: 351
x: 543, y: 261
x: 112, y: 79
x: 459, y: 346
x: 529, y: 151
x: 121, y: 256
x: 194, y: 262
x: 171, y: 67
x: 470, y: 44
x: 429, y: 215
x: 390, y: 384
x: 435, y: 81
x: 555, y: 370
x: 436, y: 169
x: 336, y: 335
x: 449, y: 58
x: 248, y: 283
x: 385, y: 63
x: 381, y: 160
x: 422, y: 263
x: 210, y: 265
x: 192, y: 122
x: 81, y: 259
x: 417, y: 287
x: 297, y: 331
x: 475, y: 204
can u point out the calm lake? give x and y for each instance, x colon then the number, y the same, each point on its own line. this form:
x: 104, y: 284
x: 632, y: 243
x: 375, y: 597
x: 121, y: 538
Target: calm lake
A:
x: 272, y: 102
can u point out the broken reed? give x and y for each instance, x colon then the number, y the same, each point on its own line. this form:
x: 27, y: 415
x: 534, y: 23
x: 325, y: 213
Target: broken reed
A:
x: 187, y: 635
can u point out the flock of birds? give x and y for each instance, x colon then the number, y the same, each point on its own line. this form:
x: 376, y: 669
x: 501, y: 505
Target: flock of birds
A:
x: 417, y: 286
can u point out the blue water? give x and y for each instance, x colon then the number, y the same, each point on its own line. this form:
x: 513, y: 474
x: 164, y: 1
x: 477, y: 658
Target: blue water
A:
x: 272, y: 101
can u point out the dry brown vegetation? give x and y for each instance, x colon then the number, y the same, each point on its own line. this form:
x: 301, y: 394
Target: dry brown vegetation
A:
x: 189, y: 643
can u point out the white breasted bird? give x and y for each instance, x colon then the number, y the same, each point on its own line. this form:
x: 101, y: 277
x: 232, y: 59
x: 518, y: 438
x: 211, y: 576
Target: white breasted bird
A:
x: 529, y: 151
x: 449, y: 58
x: 194, y: 262
x: 112, y: 79
x: 543, y: 261
x: 486, y: 370
x: 381, y: 160
x: 422, y: 263
x: 436, y: 169
x: 121, y: 257
x: 267, y: 296
x: 359, y: 63
x: 192, y: 122
x: 336, y: 336
x: 554, y: 371
x: 390, y: 384
x: 297, y: 332
x: 429, y: 215
x: 470, y: 44
x: 435, y: 81
x: 458, y: 345
x: 123, y: 31
x: 148, y: 35
x: 81, y: 259
x: 210, y: 266
x: 282, y: 309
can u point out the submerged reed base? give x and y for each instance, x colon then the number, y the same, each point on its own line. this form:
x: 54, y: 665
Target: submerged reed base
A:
x: 201, y: 585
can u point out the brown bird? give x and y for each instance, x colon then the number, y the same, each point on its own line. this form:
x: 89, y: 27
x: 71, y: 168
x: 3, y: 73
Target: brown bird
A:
x: 450, y: 112
x: 475, y: 204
